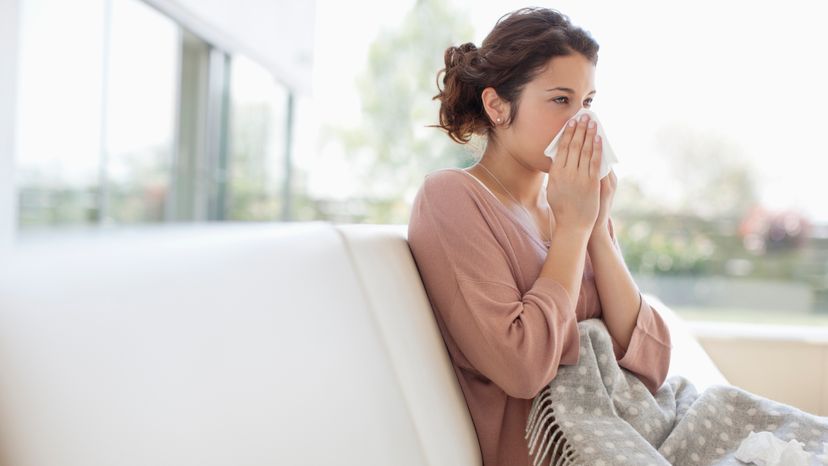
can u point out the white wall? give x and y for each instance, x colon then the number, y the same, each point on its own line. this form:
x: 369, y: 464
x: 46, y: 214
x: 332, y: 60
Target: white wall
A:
x: 278, y: 34
x: 9, y: 41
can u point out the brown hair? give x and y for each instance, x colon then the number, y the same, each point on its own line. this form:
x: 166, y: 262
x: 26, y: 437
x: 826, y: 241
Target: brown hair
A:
x: 519, y: 46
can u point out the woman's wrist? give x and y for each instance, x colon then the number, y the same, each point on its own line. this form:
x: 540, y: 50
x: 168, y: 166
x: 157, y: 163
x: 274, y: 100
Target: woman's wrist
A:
x: 599, y: 238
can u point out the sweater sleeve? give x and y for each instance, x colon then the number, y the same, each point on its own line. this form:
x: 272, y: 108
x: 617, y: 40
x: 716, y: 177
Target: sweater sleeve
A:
x: 515, y: 340
x: 648, y: 354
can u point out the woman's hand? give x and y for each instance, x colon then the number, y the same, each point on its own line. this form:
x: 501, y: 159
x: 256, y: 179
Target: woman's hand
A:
x: 608, y: 185
x: 573, y: 189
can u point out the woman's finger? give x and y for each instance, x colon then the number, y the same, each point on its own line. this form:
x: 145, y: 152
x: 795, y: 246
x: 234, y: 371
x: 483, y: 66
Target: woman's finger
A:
x: 586, y: 151
x: 575, y: 146
x: 597, y: 155
x: 562, y: 152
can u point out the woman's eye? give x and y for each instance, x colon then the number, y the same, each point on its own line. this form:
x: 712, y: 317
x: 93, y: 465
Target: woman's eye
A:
x: 566, y: 99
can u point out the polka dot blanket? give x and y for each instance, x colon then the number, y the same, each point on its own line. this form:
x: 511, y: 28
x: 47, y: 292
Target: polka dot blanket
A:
x: 598, y: 413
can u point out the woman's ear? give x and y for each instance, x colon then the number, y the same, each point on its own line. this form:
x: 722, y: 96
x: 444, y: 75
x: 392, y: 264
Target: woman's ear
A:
x: 496, y: 108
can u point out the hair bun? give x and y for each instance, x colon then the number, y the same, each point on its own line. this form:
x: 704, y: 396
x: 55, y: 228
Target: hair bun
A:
x: 458, y: 55
x: 468, y: 47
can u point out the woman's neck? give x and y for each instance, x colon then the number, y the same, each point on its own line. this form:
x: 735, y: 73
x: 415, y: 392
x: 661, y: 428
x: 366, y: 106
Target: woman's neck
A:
x: 522, y: 181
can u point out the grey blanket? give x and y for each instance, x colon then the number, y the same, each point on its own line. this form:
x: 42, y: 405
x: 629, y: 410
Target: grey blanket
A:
x: 598, y: 413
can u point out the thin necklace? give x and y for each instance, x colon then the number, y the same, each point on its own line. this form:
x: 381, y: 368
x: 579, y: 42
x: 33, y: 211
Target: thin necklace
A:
x: 540, y: 233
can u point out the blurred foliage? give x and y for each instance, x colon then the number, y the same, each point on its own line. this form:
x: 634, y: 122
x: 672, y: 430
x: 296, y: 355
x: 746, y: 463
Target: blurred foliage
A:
x: 682, y: 244
x: 137, y: 195
x: 715, y: 226
x: 392, y: 141
x: 665, y: 245
x: 44, y: 204
x: 687, y: 245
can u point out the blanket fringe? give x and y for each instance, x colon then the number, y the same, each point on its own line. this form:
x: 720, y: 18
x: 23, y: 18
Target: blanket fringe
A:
x: 539, y: 425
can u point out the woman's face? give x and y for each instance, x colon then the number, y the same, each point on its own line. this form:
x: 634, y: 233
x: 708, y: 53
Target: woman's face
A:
x: 547, y: 102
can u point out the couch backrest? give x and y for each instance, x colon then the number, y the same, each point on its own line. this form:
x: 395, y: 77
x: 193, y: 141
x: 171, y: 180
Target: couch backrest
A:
x: 399, y: 303
x: 221, y: 344
x: 252, y: 343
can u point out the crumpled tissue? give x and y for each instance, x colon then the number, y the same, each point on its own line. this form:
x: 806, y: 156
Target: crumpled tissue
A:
x: 765, y: 449
x: 608, y: 155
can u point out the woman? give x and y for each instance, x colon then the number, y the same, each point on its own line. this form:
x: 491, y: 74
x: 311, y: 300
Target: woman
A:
x: 510, y: 265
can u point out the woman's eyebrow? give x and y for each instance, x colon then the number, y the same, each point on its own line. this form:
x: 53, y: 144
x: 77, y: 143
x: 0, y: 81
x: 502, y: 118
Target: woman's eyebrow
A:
x: 566, y: 89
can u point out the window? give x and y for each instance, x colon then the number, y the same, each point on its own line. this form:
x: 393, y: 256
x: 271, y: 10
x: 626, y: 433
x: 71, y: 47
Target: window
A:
x: 126, y: 117
x: 141, y: 102
x: 59, y: 117
x: 258, y: 142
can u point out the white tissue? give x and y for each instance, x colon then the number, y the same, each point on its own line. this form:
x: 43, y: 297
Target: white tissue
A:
x: 608, y: 155
x: 765, y: 449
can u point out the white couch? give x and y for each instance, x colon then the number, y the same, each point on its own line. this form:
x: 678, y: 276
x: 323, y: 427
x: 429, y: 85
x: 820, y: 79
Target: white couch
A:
x: 234, y: 344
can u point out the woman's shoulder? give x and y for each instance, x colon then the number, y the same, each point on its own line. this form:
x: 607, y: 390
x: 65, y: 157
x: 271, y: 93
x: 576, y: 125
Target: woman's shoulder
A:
x: 446, y: 193
x: 446, y: 173
x: 446, y: 181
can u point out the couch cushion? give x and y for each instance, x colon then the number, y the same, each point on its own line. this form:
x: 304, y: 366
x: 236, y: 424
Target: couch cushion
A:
x: 196, y: 345
x: 421, y: 361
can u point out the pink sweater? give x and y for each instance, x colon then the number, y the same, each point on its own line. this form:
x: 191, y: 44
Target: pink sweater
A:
x: 506, y: 329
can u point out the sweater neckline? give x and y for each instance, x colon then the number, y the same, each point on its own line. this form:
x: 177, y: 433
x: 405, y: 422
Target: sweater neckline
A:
x: 509, y: 213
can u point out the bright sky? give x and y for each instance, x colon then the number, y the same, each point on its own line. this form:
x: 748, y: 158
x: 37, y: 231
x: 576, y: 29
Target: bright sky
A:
x: 753, y: 75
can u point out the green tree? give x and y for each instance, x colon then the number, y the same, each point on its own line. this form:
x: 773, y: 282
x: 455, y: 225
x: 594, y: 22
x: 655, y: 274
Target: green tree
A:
x: 392, y: 149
